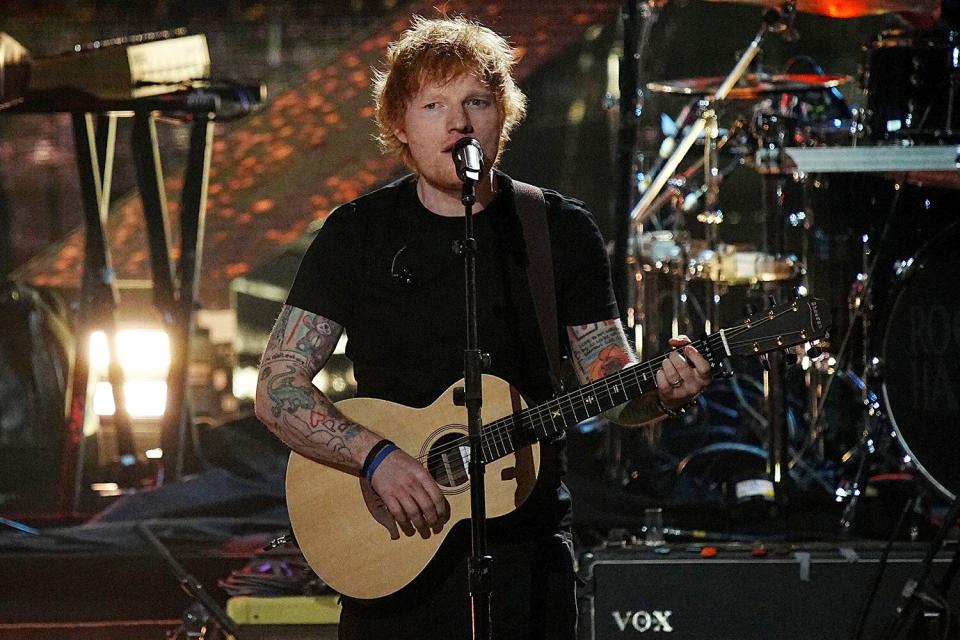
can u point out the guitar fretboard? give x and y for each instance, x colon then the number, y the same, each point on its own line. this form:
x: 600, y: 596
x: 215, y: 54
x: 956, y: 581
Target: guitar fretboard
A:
x: 545, y: 421
x: 776, y: 328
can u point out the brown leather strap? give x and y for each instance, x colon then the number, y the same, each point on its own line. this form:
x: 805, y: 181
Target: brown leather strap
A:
x: 532, y: 210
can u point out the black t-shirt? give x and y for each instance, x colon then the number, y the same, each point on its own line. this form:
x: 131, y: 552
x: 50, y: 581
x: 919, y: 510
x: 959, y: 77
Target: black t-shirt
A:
x: 383, y: 267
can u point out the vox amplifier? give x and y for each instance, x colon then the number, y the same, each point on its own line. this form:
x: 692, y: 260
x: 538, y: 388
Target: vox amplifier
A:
x: 792, y: 593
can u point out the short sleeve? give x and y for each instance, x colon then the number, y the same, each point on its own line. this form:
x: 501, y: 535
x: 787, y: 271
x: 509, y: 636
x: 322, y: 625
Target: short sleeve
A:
x: 584, y: 288
x: 329, y: 272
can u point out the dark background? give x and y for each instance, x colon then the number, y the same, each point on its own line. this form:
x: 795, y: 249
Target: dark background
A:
x: 279, y: 42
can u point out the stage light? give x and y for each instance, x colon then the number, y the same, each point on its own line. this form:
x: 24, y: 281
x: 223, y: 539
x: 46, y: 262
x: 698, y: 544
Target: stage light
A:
x: 144, y: 398
x: 143, y: 353
x: 245, y: 382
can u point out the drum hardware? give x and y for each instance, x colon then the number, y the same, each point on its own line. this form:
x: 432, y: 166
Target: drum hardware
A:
x: 875, y: 436
x: 773, y: 22
x: 773, y: 234
x: 921, y: 602
x: 911, y: 83
x: 874, y: 422
x: 711, y: 216
x: 751, y: 86
x: 851, y: 8
x: 720, y: 265
x: 680, y: 260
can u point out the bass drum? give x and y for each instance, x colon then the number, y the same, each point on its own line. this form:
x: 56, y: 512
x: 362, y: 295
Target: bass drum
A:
x: 921, y: 360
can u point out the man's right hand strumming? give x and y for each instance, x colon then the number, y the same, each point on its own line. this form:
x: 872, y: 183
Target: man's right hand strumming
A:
x: 302, y: 417
x: 410, y: 495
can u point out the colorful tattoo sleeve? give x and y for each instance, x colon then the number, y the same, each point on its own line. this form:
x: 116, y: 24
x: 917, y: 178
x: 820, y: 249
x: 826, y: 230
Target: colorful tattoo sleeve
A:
x: 287, y: 401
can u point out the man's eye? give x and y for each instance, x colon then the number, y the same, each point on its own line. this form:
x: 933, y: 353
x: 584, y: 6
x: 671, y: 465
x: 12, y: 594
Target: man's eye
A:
x: 431, y: 105
x: 478, y: 102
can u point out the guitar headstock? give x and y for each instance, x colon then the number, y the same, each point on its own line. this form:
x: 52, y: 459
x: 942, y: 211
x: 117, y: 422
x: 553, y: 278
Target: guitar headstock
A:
x: 779, y: 327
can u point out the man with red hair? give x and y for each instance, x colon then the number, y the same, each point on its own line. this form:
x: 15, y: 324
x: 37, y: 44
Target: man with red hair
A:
x: 382, y: 269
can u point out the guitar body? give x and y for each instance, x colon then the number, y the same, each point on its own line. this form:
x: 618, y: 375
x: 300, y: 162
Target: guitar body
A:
x: 331, y: 510
x: 339, y: 537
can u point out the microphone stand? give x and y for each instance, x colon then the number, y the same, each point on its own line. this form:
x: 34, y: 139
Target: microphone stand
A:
x: 204, y: 607
x: 471, y: 396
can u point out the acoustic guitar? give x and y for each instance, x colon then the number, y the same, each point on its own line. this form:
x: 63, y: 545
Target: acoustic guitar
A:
x: 353, y: 553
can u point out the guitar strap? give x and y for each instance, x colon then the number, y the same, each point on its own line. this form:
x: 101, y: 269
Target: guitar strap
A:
x: 531, y: 208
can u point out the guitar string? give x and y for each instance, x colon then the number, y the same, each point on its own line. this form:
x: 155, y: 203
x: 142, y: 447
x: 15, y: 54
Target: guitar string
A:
x: 633, y: 376
x: 499, y: 427
x: 603, y: 385
x: 502, y: 426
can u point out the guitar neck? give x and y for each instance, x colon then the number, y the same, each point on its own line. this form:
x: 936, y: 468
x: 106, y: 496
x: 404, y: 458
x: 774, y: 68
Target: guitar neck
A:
x: 545, y: 421
x: 803, y: 320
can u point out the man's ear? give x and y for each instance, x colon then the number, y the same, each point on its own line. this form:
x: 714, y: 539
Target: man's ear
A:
x: 401, y: 135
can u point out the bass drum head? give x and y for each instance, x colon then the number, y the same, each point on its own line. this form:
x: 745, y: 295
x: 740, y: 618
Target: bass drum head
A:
x: 921, y: 361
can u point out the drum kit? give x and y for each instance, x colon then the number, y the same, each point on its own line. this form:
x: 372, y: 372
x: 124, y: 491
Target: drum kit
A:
x: 894, y: 352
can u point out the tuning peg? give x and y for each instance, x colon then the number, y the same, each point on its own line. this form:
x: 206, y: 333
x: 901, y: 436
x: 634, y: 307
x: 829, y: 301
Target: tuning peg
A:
x: 771, y: 300
x: 765, y: 361
x: 749, y: 309
x: 814, y: 352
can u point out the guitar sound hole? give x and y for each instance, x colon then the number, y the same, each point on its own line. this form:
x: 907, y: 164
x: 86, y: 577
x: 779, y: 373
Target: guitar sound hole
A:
x: 447, y: 460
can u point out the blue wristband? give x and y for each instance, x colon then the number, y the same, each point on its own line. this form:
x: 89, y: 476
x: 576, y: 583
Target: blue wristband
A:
x: 378, y: 458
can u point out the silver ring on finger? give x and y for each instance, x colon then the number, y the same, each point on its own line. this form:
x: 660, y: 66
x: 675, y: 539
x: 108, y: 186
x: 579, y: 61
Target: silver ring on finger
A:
x: 678, y: 383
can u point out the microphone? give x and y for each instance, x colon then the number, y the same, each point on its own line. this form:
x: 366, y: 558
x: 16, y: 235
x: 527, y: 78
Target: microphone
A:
x: 468, y: 159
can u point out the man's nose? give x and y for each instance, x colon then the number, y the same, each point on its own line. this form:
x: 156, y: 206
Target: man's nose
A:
x: 460, y: 120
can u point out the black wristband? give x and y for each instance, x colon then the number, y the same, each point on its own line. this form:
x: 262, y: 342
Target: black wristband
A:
x: 374, y: 450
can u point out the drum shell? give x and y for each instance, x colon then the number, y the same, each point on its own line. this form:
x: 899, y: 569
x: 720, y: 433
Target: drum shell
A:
x: 911, y: 84
x: 920, y: 360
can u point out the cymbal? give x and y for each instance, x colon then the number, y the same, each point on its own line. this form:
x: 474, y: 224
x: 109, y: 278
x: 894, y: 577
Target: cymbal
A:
x: 850, y: 8
x: 753, y: 85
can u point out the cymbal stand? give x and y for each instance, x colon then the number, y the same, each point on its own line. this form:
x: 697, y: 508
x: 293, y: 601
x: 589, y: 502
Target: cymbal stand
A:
x: 874, y: 419
x: 813, y: 378
x: 712, y: 215
x: 774, y: 376
x: 861, y: 305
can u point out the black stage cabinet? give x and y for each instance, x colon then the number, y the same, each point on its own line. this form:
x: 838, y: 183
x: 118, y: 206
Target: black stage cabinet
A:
x: 793, y: 593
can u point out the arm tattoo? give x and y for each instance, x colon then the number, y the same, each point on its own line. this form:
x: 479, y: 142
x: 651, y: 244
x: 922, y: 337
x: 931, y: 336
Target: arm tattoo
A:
x: 299, y: 414
x: 318, y: 329
x: 329, y: 437
x: 280, y: 328
x: 599, y: 349
x: 311, y: 335
x: 287, y: 396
